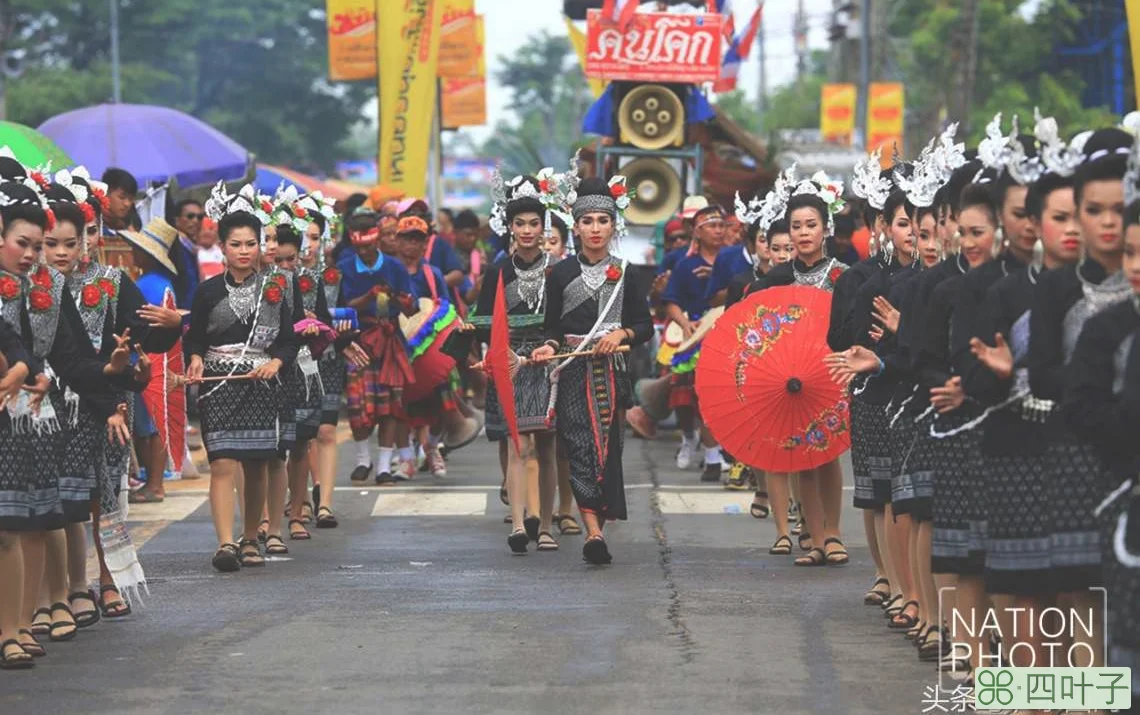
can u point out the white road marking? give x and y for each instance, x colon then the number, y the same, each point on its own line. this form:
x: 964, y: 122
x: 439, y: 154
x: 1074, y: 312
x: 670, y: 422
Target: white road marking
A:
x: 691, y: 502
x: 390, y: 503
x: 175, y: 508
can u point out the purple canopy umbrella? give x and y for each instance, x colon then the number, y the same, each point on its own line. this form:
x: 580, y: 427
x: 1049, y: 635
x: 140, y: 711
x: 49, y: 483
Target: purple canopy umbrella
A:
x: 155, y: 144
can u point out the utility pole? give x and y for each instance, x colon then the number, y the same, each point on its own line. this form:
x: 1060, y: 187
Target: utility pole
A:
x: 967, y: 37
x: 116, y: 82
x: 761, y: 50
x: 801, y: 32
x: 864, y: 70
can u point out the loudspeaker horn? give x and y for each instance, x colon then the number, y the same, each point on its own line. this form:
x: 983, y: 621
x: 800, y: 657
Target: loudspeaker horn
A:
x: 656, y: 190
x: 651, y: 116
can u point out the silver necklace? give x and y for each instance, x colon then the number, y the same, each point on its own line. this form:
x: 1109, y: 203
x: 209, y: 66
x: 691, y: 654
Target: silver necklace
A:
x: 532, y: 281
x: 1110, y: 291
x: 242, y: 298
x: 813, y: 277
x: 594, y: 276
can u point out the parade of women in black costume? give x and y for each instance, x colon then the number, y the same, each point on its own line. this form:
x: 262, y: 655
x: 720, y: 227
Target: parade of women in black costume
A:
x: 981, y: 365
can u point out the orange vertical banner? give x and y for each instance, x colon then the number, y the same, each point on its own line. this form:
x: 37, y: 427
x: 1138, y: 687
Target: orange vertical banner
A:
x: 885, y: 118
x: 352, y: 39
x: 837, y: 113
x: 463, y: 100
x: 459, y: 49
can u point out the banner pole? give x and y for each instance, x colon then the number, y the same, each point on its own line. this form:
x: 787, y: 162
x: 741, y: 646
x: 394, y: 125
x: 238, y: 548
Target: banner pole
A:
x: 1132, y: 8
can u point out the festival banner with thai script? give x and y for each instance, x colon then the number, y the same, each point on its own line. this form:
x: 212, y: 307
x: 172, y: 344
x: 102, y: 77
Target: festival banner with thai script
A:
x: 656, y: 47
x: 837, y: 113
x: 459, y: 46
x: 885, y: 115
x: 463, y: 100
x: 352, y: 39
x: 408, y: 40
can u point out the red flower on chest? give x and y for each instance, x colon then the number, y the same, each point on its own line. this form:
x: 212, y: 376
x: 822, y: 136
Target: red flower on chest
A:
x: 108, y: 287
x: 39, y: 299
x: 307, y: 284
x: 273, y: 294
x: 279, y: 280
x: 331, y: 276
x: 613, y: 273
x: 41, y: 277
x: 91, y: 296
x: 9, y: 288
x: 833, y: 274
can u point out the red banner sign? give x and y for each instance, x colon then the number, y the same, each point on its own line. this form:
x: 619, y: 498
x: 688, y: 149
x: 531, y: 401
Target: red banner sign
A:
x: 656, y: 47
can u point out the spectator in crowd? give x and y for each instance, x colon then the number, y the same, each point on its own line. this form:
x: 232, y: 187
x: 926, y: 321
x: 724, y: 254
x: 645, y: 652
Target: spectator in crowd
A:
x: 121, y: 191
x: 445, y: 224
x: 209, y: 252
x: 184, y: 253
x: 840, y: 245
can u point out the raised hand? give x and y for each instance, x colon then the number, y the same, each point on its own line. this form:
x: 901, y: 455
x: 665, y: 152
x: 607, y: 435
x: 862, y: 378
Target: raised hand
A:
x: 143, y: 366
x: 886, y: 314
x: 999, y: 359
x: 356, y: 356
x: 121, y: 356
x: 949, y: 397
x: 13, y: 379
x: 157, y: 316
x: 844, y: 366
x: 38, y: 391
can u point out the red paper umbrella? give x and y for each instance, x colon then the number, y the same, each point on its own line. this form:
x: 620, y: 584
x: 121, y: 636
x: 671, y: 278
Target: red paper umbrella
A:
x: 166, y: 404
x: 498, y: 363
x: 763, y: 388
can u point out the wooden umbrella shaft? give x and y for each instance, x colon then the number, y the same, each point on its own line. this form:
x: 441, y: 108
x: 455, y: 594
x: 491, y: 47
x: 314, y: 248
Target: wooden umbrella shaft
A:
x: 585, y: 353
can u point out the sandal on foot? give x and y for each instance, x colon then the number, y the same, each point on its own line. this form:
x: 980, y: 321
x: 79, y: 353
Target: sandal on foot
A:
x: 275, y: 545
x: 811, y: 558
x: 836, y: 557
x: 518, y: 541
x: 226, y: 558
x: 875, y: 597
x: 41, y: 622
x: 782, y: 547
x: 62, y: 629
x: 759, y: 511
x: 307, y: 512
x: 119, y: 609
x: 503, y: 497
x: 546, y: 542
x: 531, y: 524
x: 596, y: 552
x: 34, y: 648
x: 326, y: 519
x: 263, y: 530
x: 14, y: 657
x: 902, y: 621
x: 805, y: 541
x: 250, y: 553
x: 798, y: 528
x: 916, y: 631
x: 84, y: 618
x: 567, y: 525
x: 301, y: 533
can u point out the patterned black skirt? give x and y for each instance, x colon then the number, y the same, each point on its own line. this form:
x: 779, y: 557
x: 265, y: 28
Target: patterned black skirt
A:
x: 870, y: 454
x: 80, y: 452
x: 1075, y: 481
x: 1018, y: 549
x: 29, y: 480
x: 1122, y: 581
x: 958, y: 545
x: 240, y: 418
x: 532, y: 398
x: 905, y: 437
x: 332, y: 371
x: 301, y: 416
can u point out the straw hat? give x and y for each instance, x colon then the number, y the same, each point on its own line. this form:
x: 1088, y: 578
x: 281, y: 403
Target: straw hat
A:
x: 155, y: 239
x: 692, y: 205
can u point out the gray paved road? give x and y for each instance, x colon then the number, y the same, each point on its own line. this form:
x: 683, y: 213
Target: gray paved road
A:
x: 396, y: 613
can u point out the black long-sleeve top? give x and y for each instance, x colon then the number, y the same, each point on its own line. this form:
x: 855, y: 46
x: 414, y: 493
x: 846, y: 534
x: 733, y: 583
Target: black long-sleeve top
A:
x: 932, y: 359
x: 844, y: 332
x: 969, y: 316
x: 562, y: 319
x: 516, y: 306
x: 842, y: 293
x: 1101, y: 402
x: 896, y: 381
x: 127, y: 304
x: 1057, y: 292
x: 14, y: 352
x: 201, y: 336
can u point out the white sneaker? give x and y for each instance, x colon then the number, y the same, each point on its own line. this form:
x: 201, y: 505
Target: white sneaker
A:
x: 436, y: 464
x: 405, y: 470
x: 685, y: 455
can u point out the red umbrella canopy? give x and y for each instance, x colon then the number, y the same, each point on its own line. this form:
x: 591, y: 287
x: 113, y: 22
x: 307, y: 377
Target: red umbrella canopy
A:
x: 764, y: 390
x: 166, y: 404
x: 499, y: 360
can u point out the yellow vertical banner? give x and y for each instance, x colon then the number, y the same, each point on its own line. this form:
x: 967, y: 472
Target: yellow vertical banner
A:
x: 578, y: 40
x: 463, y: 100
x: 408, y: 47
x: 458, y: 42
x: 837, y: 113
x: 352, y: 39
x: 885, y: 115
x: 1133, y: 9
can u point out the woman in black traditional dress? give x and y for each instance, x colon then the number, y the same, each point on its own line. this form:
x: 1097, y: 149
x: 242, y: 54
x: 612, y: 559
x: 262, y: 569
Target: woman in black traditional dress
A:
x: 524, y: 211
x: 1062, y: 302
x: 34, y: 300
x: 594, y: 303
x: 1101, y: 405
x: 240, y: 337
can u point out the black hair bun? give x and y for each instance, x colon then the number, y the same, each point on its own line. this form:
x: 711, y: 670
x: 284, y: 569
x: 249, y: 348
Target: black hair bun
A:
x: 594, y: 186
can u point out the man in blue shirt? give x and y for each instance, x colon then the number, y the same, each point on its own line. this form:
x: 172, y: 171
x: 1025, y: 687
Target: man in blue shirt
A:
x: 730, y: 262
x: 685, y: 302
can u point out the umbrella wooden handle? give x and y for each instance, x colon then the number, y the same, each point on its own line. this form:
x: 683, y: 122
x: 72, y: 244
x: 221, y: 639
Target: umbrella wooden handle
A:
x: 177, y: 380
x: 584, y: 353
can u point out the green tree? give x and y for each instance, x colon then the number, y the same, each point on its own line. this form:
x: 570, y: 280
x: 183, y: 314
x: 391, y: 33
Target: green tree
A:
x: 741, y: 110
x: 255, y: 70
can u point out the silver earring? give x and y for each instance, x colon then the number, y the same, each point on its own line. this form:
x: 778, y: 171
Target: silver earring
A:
x: 887, y: 247
x: 999, y: 242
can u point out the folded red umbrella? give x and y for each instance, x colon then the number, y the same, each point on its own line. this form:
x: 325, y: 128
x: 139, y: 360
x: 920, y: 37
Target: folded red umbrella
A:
x: 498, y: 363
x: 762, y: 385
x: 166, y: 404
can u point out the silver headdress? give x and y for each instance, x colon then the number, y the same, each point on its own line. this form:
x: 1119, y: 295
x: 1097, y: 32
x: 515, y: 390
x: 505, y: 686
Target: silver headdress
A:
x: 1132, y: 175
x: 949, y: 155
x: 1023, y: 168
x: 925, y: 179
x: 556, y: 192
x: 748, y: 213
x: 994, y: 151
x: 1057, y: 158
x: 868, y: 183
x: 830, y: 192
